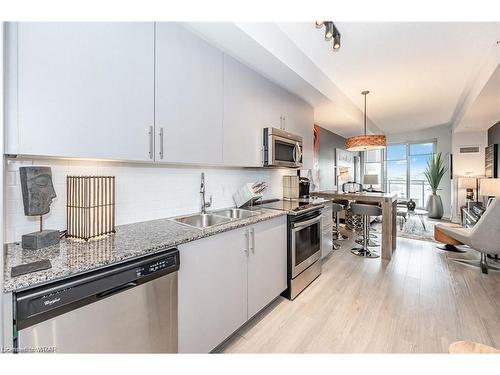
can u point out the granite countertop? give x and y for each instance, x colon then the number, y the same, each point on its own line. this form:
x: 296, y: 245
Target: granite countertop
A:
x: 365, y: 195
x: 71, y: 257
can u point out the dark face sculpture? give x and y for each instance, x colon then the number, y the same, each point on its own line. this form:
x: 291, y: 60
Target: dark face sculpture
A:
x: 38, y: 190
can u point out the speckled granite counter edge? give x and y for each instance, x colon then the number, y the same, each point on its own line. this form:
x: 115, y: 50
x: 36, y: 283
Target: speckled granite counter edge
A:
x: 71, y: 258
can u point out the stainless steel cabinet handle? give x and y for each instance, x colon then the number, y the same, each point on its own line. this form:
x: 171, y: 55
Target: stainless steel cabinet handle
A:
x: 247, y: 242
x: 281, y: 122
x: 151, y: 145
x: 161, y: 143
x: 284, y: 123
x: 252, y: 244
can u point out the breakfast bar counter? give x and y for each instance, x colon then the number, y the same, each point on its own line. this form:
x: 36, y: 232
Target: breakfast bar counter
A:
x: 388, y: 203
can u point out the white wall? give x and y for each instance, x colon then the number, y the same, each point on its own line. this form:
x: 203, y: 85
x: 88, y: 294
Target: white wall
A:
x: 466, y: 164
x: 2, y: 25
x: 442, y: 134
x: 143, y: 191
x: 469, y: 164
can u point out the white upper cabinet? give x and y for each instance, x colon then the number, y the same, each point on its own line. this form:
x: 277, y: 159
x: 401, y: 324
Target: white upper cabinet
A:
x: 242, y: 115
x: 139, y: 92
x: 273, y: 102
x: 83, y: 89
x: 189, y: 97
x: 299, y: 119
x: 252, y: 103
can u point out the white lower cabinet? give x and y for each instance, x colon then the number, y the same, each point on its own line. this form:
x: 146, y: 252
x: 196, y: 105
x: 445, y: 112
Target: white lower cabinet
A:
x: 267, y: 263
x: 212, y: 290
x: 327, y: 228
x: 227, y: 278
x: 326, y: 241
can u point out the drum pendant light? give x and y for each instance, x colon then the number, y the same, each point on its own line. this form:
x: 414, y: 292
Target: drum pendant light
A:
x: 365, y: 142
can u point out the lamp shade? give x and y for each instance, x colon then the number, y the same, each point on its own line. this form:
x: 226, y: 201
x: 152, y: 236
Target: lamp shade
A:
x: 490, y: 187
x: 467, y: 182
x: 370, y: 179
x: 365, y: 142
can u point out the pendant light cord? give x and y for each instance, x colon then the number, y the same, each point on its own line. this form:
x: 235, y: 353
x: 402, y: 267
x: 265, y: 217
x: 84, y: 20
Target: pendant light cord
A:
x: 364, y: 93
x: 365, y: 115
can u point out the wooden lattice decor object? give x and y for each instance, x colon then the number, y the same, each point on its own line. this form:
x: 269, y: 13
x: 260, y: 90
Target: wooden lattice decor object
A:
x: 90, y: 206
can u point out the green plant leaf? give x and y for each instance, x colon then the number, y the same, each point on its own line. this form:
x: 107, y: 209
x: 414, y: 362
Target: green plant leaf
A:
x: 435, y: 171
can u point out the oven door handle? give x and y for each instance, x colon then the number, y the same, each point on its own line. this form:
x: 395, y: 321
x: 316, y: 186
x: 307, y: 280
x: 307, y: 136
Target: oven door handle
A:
x: 307, y: 223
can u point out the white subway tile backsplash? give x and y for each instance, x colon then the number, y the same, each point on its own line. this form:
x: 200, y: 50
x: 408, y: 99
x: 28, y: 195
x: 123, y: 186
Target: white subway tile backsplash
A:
x: 143, y: 192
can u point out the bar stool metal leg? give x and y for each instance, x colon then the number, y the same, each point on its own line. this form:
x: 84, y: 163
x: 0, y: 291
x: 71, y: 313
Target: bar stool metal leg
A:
x: 336, y: 232
x: 371, y: 242
x: 364, y: 251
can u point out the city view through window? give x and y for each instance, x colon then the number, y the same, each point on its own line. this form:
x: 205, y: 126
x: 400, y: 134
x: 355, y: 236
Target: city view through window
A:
x: 405, y: 166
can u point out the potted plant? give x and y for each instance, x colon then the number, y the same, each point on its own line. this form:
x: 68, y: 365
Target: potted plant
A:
x: 434, y: 174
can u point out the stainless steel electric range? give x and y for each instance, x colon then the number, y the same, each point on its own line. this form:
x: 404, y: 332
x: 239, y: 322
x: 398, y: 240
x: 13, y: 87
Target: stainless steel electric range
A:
x: 304, y: 241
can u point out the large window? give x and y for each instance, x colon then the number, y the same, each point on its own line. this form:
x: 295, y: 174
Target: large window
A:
x: 405, y: 166
x: 373, y: 161
x: 396, y: 170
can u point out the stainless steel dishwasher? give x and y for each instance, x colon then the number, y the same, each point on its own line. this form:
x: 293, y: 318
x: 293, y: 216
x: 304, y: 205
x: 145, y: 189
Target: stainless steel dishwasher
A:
x: 126, y: 308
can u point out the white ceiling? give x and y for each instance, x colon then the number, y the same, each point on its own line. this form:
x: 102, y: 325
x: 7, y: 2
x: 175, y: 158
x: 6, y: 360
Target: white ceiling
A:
x: 420, y: 74
x: 417, y: 72
x: 485, y: 110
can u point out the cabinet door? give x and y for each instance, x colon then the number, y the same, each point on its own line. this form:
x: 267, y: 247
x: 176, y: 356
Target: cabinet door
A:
x: 299, y: 119
x: 326, y: 240
x: 267, y: 264
x: 85, y: 89
x: 273, y: 105
x: 212, y: 290
x: 189, y: 96
x: 243, y: 125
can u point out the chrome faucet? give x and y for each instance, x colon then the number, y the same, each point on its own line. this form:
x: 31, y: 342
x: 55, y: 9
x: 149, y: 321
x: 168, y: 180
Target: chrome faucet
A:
x: 204, y: 204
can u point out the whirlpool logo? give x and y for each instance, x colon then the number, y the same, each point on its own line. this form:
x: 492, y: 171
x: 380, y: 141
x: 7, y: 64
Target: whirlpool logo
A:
x: 50, y: 302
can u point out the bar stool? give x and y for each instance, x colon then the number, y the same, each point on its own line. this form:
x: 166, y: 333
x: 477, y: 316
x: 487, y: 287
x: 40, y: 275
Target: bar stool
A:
x: 336, y: 219
x: 365, y: 211
x: 337, y: 236
x: 372, y: 236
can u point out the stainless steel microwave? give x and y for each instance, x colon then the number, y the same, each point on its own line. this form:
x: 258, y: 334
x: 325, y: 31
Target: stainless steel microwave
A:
x: 282, y: 149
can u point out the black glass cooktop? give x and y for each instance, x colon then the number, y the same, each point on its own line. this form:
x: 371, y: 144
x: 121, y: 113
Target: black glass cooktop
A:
x: 294, y: 205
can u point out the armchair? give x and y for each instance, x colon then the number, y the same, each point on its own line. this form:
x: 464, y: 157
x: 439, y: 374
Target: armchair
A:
x: 484, y: 237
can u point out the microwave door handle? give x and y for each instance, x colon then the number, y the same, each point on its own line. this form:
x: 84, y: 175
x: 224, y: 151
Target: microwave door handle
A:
x: 299, y: 152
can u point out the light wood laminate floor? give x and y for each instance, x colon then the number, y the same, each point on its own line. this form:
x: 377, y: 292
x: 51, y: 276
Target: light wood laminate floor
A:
x: 419, y: 302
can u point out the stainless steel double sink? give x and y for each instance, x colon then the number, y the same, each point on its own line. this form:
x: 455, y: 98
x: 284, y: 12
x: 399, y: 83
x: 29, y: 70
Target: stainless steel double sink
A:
x: 218, y: 217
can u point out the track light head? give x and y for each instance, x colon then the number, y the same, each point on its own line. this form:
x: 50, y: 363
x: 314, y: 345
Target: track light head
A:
x: 319, y: 24
x: 336, y: 42
x: 329, y: 30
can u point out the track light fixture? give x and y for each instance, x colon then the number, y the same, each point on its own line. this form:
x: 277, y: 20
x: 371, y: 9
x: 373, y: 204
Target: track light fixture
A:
x: 331, y: 32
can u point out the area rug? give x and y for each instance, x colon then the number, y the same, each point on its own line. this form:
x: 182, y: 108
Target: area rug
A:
x: 413, y: 228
